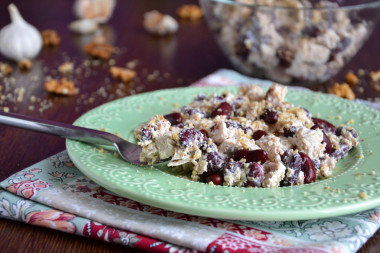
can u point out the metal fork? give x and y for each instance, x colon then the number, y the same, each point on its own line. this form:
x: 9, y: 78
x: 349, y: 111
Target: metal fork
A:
x: 127, y: 150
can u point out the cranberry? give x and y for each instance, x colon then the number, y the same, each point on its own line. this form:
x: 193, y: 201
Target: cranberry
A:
x: 200, y: 97
x: 241, y: 50
x: 289, y: 132
x: 205, y: 133
x: 215, y: 178
x: 328, y: 147
x: 214, y: 162
x: 231, y: 166
x: 293, y: 162
x: 342, y: 151
x: 233, y: 124
x: 311, y: 31
x: 341, y: 46
x: 256, y: 171
x: 146, y: 133
x: 308, y: 168
x: 299, y: 162
x: 190, y: 111
x: 258, y: 134
x: 270, y: 116
x: 174, y: 118
x: 324, y: 125
x: 224, y: 109
x: 248, y: 130
x: 339, y: 131
x: 326, y: 140
x: 257, y: 155
x: 285, y: 157
x: 190, y: 136
x: 285, y: 56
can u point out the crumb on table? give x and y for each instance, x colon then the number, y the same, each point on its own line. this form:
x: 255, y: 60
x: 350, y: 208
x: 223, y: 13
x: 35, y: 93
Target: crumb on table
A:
x: 351, y: 78
x: 62, y: 87
x: 25, y: 65
x: 375, y: 75
x: 6, y: 69
x: 50, y: 38
x: 189, y: 12
x: 99, y: 50
x: 66, y: 68
x: 342, y: 90
x: 122, y: 74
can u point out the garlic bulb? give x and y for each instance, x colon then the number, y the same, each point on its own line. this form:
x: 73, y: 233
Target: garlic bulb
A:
x: 19, y: 40
x: 98, y: 10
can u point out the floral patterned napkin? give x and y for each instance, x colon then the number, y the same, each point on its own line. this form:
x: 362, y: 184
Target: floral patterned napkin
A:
x: 55, y: 194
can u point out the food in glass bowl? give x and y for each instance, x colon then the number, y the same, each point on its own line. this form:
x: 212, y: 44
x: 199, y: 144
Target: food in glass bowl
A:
x: 252, y: 139
x: 290, y: 41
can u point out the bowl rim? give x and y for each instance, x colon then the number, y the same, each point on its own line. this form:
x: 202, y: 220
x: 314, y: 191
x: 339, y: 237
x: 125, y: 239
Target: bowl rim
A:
x: 372, y: 4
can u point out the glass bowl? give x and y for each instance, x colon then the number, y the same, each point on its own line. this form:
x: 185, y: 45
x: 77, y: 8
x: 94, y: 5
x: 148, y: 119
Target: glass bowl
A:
x: 291, y: 41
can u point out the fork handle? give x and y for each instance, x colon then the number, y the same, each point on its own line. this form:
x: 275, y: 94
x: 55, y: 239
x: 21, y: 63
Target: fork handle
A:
x: 57, y: 128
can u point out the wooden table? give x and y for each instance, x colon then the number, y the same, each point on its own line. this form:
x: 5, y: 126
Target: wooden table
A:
x: 165, y: 62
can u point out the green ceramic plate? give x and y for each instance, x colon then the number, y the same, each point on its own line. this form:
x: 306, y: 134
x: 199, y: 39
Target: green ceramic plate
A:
x: 354, y: 187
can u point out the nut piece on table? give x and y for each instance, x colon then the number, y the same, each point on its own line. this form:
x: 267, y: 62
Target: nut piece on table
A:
x: 342, y: 90
x: 62, y: 87
x: 99, y: 50
x: 50, y: 38
x: 190, y: 12
x: 122, y: 74
x: 5, y: 69
x: 25, y: 65
x: 375, y: 75
x: 351, y: 78
x: 66, y: 68
x: 159, y: 24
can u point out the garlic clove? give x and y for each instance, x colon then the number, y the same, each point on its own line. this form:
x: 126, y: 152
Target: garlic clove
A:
x: 19, y: 40
x: 159, y: 24
x: 84, y: 26
x: 97, y: 10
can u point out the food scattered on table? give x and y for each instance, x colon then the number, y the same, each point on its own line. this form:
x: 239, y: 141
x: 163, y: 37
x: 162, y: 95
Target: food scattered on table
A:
x: 288, y: 45
x: 375, y: 75
x: 50, y: 38
x: 252, y: 139
x: 342, y: 90
x: 122, y: 74
x: 6, y: 69
x: 100, y: 50
x: 351, y: 78
x: 66, y: 68
x: 159, y: 24
x: 132, y: 64
x: 19, y: 40
x: 25, y: 65
x: 190, y: 12
x: 61, y: 87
